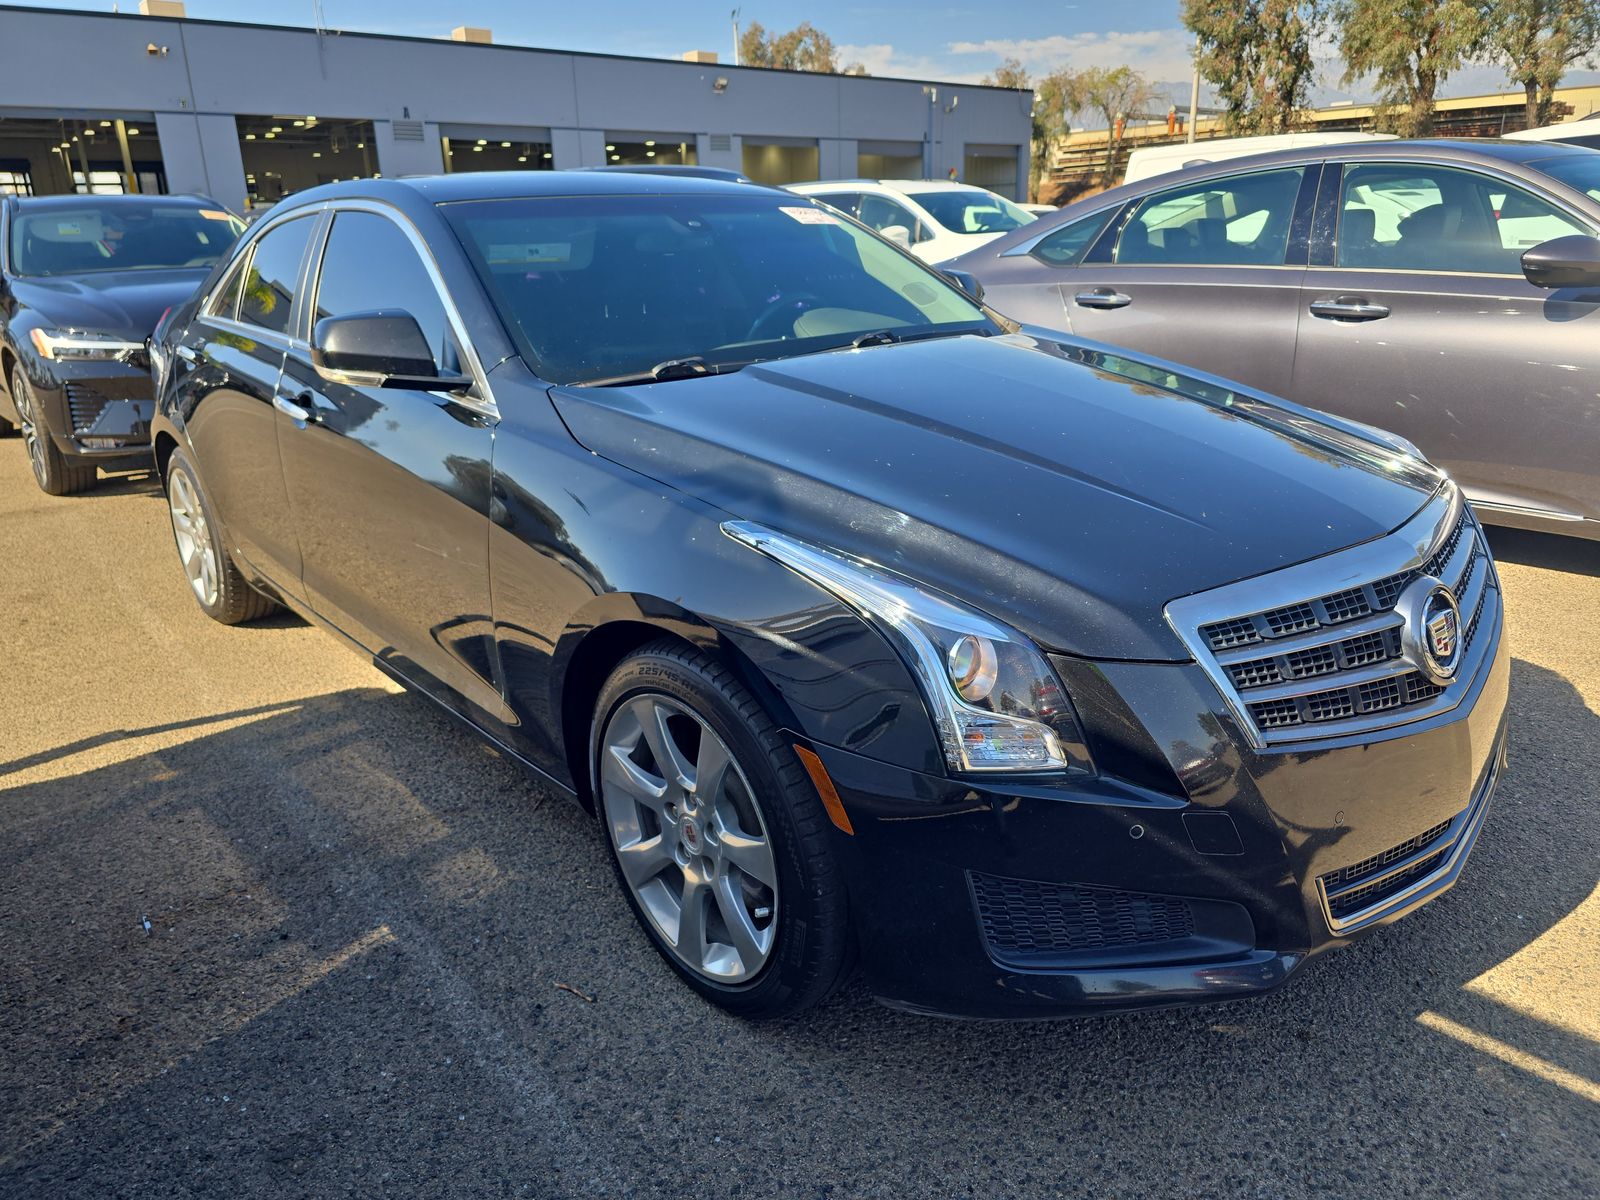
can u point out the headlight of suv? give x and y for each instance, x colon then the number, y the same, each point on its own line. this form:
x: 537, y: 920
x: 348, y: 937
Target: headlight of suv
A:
x: 72, y: 345
x: 996, y: 702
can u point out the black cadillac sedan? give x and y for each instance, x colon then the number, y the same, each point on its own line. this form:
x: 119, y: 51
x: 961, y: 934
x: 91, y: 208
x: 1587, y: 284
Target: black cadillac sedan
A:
x: 1034, y: 677
x: 83, y: 280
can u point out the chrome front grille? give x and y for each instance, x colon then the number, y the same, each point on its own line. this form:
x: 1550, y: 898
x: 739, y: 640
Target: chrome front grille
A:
x: 1316, y: 650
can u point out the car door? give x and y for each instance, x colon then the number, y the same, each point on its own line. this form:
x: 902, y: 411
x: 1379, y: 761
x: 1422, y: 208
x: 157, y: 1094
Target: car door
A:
x: 390, y: 487
x: 1205, y: 273
x: 226, y: 372
x: 1415, y: 317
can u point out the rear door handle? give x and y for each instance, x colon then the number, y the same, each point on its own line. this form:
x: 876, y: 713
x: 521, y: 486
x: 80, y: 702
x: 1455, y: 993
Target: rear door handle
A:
x: 292, y: 410
x: 1348, y: 308
x: 1102, y: 298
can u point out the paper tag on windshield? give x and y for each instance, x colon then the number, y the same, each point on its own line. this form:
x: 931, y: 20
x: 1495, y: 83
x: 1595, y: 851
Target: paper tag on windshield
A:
x: 811, y: 216
x: 214, y: 214
x: 68, y: 229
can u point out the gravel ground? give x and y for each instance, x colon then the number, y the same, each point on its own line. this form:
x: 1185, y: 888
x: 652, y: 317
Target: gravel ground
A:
x: 272, y: 928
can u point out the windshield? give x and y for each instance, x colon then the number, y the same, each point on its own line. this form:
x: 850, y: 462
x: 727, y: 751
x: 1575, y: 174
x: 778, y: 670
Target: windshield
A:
x: 973, y: 212
x: 120, y: 237
x: 598, y: 288
x: 1581, y: 171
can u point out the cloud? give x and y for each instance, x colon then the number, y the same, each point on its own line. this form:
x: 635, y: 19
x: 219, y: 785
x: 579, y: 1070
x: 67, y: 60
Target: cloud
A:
x: 1156, y: 53
x: 883, y: 58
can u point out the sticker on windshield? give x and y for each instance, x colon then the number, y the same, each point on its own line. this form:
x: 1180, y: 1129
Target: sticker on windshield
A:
x: 68, y: 229
x: 214, y: 214
x: 810, y: 216
x: 528, y: 253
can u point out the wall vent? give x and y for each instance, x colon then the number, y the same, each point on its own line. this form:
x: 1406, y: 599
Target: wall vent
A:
x: 721, y: 142
x: 407, y: 131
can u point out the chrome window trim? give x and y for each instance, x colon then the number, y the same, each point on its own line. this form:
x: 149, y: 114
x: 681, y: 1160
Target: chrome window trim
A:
x: 1405, y: 549
x: 483, y: 402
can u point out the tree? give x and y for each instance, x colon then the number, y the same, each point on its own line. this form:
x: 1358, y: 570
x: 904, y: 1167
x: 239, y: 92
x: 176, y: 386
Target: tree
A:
x: 1412, y: 46
x: 1116, y: 93
x: 1257, y: 54
x: 1537, y: 40
x: 1051, y: 96
x: 803, y: 48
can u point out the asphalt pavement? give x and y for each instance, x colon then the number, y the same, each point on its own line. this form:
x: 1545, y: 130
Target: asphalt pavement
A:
x: 270, y: 927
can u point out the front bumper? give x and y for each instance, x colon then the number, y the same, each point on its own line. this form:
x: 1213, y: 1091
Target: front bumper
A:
x: 1099, y: 895
x: 100, y: 413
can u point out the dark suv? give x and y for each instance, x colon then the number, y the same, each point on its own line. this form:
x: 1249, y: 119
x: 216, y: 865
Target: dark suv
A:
x: 1035, y: 678
x: 83, y: 280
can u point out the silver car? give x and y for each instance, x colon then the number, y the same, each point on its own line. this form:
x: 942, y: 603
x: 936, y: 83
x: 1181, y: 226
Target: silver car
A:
x: 1448, y: 291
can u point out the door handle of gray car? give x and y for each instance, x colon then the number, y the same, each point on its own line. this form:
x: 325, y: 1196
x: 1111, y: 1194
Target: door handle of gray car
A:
x: 293, y: 411
x: 1349, y: 308
x: 1102, y: 298
x: 185, y: 353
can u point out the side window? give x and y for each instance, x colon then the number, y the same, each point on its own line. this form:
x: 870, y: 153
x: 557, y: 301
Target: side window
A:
x: 225, y: 301
x: 1239, y: 221
x: 880, y: 213
x: 370, y: 264
x: 274, y: 272
x: 1067, y: 245
x: 1418, y: 217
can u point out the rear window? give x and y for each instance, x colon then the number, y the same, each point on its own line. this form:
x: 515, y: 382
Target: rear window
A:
x: 121, y: 237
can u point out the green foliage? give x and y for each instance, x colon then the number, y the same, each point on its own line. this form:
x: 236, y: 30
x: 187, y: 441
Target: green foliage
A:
x: 1113, y: 92
x: 1257, y: 54
x: 1050, y: 112
x: 1411, y: 46
x: 803, y: 48
x: 1537, y: 40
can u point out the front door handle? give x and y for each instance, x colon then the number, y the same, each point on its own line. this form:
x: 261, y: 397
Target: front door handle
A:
x: 293, y: 410
x: 1348, y: 308
x: 1102, y: 298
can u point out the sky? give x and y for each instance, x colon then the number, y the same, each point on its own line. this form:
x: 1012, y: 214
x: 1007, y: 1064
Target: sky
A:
x: 923, y: 39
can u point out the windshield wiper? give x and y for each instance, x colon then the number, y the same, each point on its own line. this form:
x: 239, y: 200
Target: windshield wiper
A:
x: 664, y: 372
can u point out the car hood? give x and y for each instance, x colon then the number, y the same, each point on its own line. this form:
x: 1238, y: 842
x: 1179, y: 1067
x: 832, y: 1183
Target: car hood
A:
x: 1016, y: 473
x: 126, y: 303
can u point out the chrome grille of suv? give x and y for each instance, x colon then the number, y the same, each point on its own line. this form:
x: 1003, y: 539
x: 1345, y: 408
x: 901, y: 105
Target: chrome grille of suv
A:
x: 1314, y: 650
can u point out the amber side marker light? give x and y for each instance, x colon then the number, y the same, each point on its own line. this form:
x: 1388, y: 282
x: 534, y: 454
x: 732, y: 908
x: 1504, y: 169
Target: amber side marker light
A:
x: 825, y: 789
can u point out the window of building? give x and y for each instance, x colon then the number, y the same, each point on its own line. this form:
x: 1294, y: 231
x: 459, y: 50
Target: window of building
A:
x: 287, y: 154
x: 777, y: 161
x: 640, y: 149
x: 497, y: 154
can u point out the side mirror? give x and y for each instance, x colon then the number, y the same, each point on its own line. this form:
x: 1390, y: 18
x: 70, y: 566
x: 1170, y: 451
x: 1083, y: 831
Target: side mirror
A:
x: 966, y: 281
x: 1563, y: 262
x: 383, y: 348
x: 898, y: 234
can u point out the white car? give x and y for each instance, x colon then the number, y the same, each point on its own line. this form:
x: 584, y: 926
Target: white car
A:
x: 933, y: 219
x: 1174, y: 156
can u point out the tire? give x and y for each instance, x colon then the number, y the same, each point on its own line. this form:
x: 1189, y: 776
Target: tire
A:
x: 707, y: 855
x: 52, y: 471
x: 218, y: 586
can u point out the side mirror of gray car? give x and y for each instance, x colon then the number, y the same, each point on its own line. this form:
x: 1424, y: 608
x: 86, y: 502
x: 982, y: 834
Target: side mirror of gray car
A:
x: 967, y: 282
x: 382, y: 348
x: 1571, y: 261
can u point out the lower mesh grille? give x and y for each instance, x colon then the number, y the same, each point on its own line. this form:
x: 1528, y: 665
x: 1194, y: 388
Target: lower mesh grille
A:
x: 1366, y: 895
x: 85, y: 403
x: 1023, y: 918
x: 1379, y: 890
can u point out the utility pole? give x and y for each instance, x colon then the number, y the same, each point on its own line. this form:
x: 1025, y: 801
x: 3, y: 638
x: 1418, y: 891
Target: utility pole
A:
x: 735, y: 17
x: 1194, y: 92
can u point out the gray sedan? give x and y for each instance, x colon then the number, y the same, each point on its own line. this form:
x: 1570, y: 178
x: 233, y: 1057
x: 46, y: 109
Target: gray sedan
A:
x: 1448, y: 291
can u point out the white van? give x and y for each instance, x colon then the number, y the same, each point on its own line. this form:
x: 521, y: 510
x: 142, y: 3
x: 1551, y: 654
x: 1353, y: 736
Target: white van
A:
x: 1159, y: 160
x: 1583, y: 132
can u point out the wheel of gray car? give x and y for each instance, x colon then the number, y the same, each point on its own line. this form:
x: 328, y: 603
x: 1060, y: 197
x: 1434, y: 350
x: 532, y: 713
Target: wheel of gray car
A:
x: 217, y: 584
x: 51, y: 470
x: 717, y: 834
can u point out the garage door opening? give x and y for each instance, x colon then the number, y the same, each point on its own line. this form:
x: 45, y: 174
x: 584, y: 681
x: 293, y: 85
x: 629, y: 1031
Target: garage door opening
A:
x: 287, y: 154
x: 520, y: 150
x: 103, y: 155
x: 992, y: 167
x: 643, y: 149
x: 777, y: 161
x: 889, y: 160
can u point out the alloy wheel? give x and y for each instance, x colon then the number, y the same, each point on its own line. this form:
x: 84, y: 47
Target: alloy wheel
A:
x: 689, y: 837
x: 194, y: 538
x: 22, y: 397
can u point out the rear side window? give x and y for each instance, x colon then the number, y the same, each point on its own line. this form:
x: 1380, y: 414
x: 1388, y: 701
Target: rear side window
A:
x: 370, y: 264
x: 1420, y: 217
x: 1067, y: 245
x: 1240, y: 221
x: 274, y: 274
x: 225, y: 301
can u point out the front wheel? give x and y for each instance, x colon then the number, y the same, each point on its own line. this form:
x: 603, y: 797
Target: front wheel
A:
x: 717, y: 835
x: 54, y: 474
x: 217, y: 583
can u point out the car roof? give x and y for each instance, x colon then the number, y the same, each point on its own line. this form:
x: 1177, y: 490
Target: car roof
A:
x: 902, y: 186
x: 79, y: 199
x: 505, y: 185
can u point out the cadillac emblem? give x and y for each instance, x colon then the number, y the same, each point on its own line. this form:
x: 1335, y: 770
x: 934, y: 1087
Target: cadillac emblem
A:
x: 1430, y: 639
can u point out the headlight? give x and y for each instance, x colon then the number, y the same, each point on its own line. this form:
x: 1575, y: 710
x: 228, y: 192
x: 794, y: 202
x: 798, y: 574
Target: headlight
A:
x: 58, y: 345
x: 997, y: 704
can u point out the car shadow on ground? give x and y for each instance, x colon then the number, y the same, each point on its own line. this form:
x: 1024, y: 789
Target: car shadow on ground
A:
x: 321, y: 947
x: 1571, y: 554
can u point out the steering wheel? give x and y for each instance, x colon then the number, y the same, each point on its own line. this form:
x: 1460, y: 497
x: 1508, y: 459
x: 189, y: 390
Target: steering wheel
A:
x: 778, y: 308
